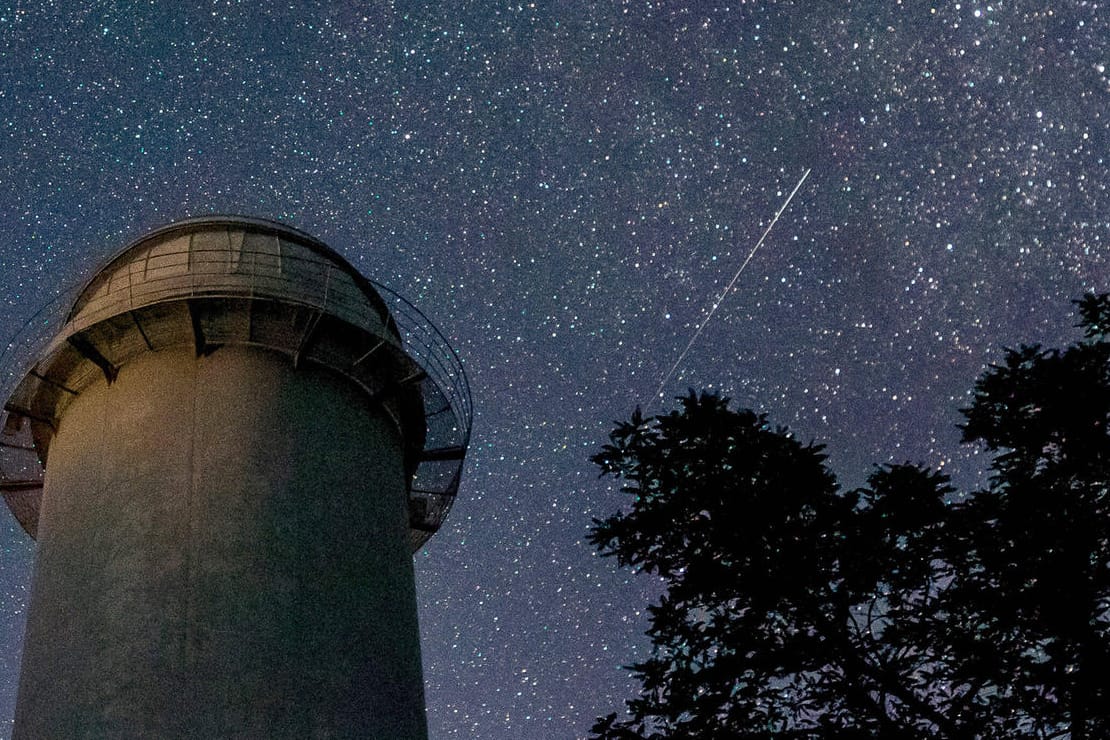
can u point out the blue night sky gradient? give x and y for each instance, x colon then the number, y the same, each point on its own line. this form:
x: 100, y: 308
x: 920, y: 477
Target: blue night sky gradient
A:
x: 564, y: 188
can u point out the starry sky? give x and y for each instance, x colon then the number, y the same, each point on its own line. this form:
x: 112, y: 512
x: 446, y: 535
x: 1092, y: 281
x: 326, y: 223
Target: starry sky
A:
x: 565, y: 189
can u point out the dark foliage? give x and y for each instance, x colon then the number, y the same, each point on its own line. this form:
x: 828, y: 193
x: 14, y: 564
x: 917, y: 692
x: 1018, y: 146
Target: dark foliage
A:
x: 1038, y: 541
x: 795, y: 609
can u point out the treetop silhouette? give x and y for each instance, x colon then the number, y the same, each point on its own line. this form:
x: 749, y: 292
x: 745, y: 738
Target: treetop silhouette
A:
x: 905, y: 608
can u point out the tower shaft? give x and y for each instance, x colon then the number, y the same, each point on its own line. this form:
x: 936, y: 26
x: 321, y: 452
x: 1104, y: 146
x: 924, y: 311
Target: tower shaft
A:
x: 223, y: 551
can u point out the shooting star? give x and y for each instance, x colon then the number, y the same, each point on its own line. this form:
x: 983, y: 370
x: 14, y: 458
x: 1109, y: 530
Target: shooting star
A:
x: 725, y: 292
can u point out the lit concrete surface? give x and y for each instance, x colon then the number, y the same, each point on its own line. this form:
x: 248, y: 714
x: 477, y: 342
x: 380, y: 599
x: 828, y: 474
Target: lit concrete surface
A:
x: 222, y: 552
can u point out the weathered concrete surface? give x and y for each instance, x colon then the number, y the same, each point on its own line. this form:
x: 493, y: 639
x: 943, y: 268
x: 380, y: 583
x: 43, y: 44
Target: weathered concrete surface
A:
x: 222, y: 552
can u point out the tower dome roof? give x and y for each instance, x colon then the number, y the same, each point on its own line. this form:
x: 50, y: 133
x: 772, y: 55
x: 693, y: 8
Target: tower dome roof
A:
x: 220, y: 280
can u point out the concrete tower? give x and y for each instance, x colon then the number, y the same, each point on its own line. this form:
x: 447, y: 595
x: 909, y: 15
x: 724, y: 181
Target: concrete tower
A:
x: 244, y: 440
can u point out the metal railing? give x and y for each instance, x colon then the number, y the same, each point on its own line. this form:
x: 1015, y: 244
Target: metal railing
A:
x: 293, y: 275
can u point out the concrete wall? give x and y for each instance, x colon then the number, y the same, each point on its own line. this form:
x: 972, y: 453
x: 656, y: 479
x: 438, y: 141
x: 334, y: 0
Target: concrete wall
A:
x: 222, y: 552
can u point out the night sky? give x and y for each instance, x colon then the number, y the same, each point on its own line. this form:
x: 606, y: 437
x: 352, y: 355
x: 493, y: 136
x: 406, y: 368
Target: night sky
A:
x: 565, y: 189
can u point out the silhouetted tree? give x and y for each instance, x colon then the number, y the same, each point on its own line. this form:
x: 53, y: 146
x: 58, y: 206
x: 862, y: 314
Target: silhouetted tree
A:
x: 1033, y: 555
x: 792, y: 608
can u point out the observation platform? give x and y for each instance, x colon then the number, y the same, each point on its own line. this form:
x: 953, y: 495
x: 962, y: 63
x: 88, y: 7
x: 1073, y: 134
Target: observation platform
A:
x: 228, y: 280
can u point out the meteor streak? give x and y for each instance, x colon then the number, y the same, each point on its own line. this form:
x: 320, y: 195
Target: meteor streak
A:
x: 725, y: 292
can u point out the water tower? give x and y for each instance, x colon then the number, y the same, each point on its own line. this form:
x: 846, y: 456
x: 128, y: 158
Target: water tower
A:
x: 227, y: 451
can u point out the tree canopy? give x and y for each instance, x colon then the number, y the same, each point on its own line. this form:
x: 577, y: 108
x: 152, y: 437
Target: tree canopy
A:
x: 904, y: 608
